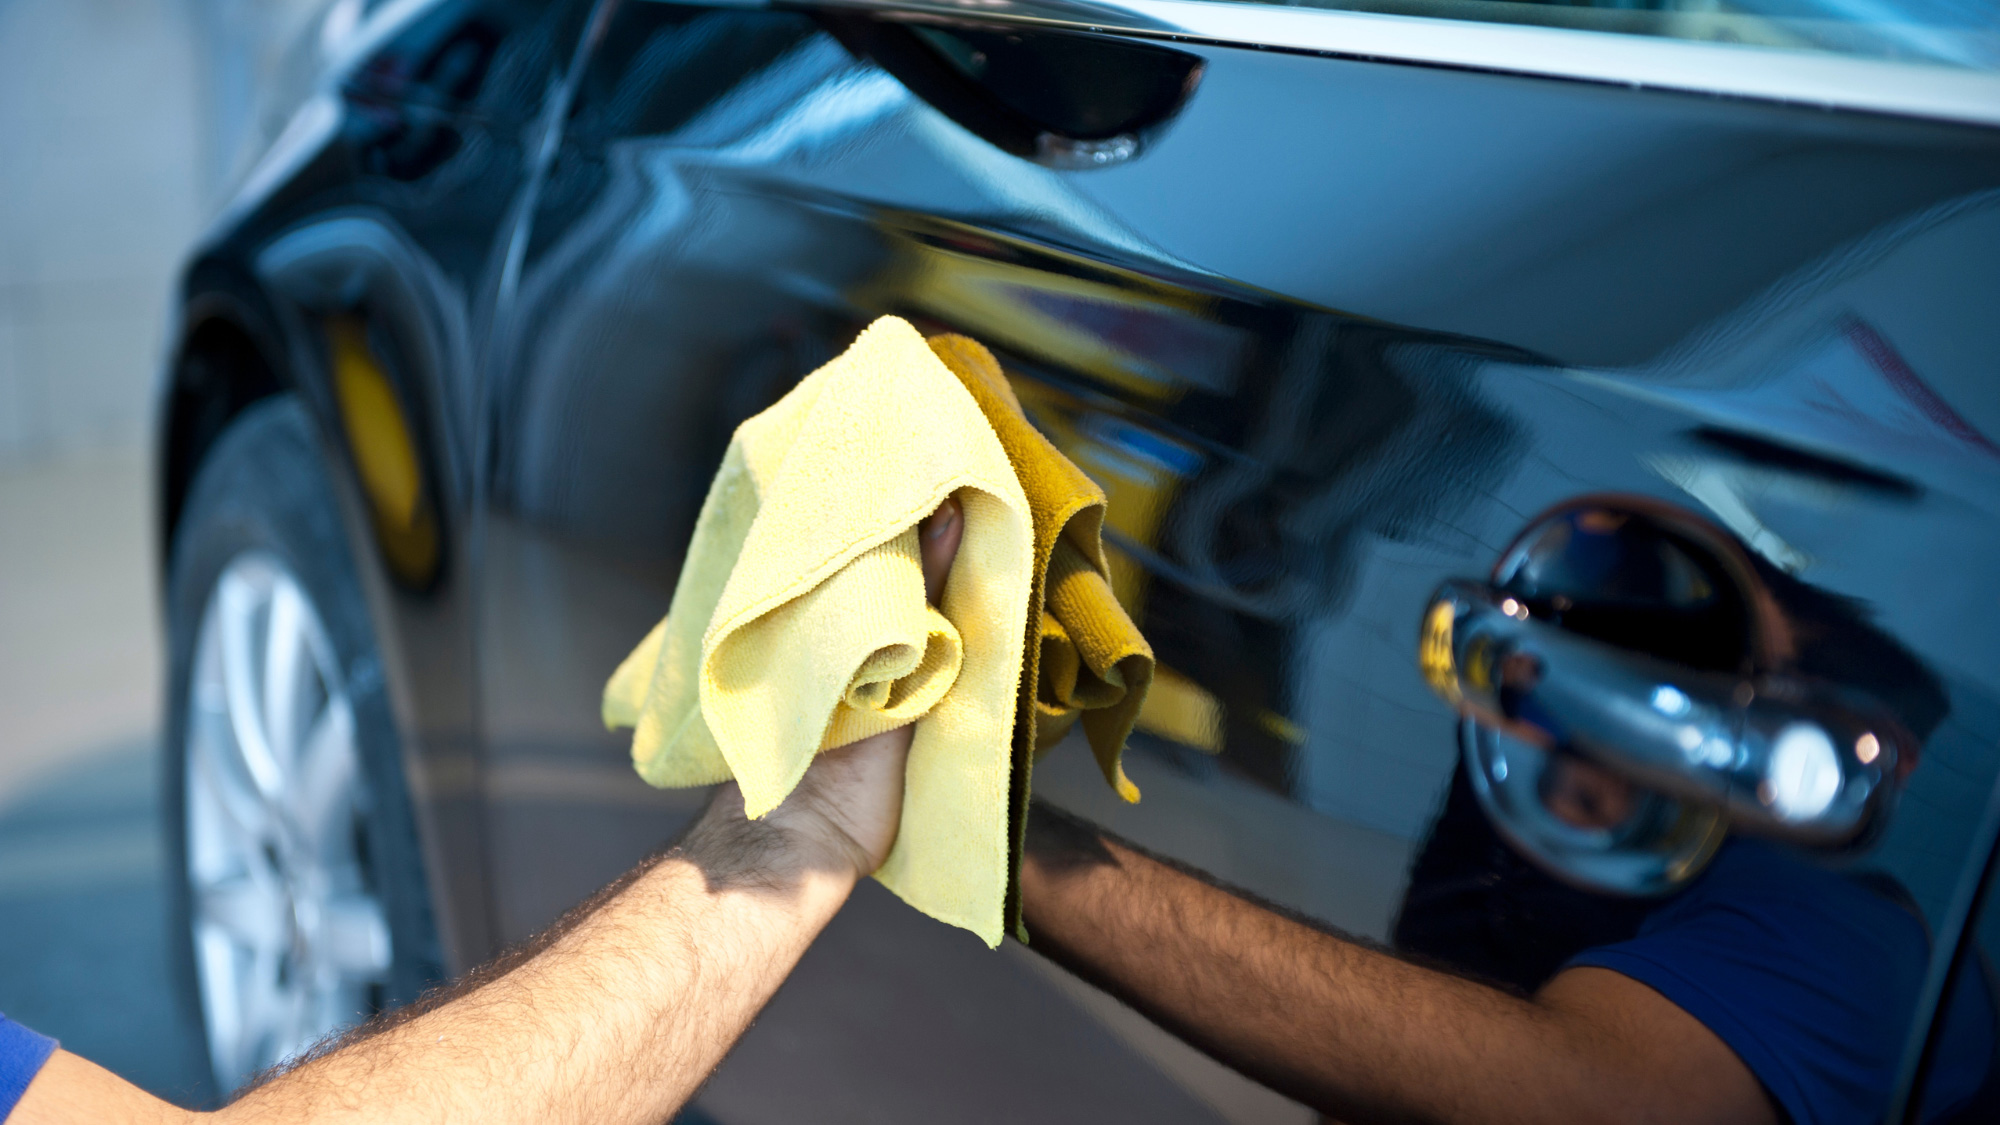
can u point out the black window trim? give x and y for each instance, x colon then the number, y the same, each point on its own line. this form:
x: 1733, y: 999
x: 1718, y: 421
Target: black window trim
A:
x: 1821, y: 81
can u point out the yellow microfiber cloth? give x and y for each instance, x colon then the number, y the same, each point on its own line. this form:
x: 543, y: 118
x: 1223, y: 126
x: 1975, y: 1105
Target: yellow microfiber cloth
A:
x: 799, y: 621
x: 1085, y: 656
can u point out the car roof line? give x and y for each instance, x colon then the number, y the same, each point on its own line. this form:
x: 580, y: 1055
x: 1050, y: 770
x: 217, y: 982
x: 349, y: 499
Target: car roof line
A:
x: 1797, y: 77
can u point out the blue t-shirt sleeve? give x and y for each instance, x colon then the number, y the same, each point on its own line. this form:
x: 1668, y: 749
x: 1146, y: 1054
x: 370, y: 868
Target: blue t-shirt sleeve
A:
x: 22, y: 1053
x: 1810, y: 978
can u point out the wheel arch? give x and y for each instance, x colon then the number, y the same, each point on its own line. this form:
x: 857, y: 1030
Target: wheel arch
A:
x: 246, y: 333
x: 225, y: 358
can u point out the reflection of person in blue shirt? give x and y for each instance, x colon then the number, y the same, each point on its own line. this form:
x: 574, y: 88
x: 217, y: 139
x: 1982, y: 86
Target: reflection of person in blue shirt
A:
x: 1767, y: 987
x: 1810, y: 976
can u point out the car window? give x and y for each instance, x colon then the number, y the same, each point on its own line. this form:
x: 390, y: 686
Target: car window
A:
x: 1958, y: 33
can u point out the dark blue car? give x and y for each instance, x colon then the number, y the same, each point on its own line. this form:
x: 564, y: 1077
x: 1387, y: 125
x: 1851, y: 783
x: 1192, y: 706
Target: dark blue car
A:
x: 1553, y: 450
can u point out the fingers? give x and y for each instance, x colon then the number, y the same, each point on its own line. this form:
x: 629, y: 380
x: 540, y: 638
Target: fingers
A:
x: 937, y: 541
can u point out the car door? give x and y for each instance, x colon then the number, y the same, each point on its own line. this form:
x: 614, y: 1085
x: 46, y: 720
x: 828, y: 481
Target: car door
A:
x: 1958, y: 1019
x: 1332, y: 304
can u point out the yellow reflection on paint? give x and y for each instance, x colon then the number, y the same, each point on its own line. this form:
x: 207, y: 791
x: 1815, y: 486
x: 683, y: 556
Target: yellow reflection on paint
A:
x: 385, y: 456
x: 1178, y: 708
x: 1434, y: 650
x: 1281, y: 728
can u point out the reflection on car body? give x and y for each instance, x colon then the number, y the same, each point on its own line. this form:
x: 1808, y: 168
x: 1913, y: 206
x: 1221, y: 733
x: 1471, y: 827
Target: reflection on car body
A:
x: 1330, y: 332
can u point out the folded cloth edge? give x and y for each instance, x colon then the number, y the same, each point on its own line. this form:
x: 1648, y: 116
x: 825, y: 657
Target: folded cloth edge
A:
x: 948, y: 862
x: 1077, y: 520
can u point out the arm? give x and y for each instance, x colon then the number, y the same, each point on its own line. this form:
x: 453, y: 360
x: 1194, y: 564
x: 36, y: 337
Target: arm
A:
x: 616, y: 1016
x: 617, y: 1013
x: 1357, y: 1033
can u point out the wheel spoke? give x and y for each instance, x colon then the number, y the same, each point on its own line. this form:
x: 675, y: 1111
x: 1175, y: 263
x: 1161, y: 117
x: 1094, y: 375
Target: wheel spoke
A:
x: 287, y: 663
x: 323, y: 784
x: 223, y: 1005
x: 251, y: 914
x: 288, y: 934
x: 224, y: 807
x: 300, y: 1027
x: 237, y: 603
x: 267, y: 1007
x: 355, y: 936
x: 230, y: 819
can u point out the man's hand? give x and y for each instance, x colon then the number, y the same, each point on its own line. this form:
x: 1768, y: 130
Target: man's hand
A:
x: 619, y: 1011
x: 850, y: 802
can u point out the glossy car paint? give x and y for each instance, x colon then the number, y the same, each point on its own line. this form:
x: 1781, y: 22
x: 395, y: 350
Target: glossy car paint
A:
x: 1334, y: 335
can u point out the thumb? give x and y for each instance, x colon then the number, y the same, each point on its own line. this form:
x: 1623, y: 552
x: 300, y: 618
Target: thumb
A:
x: 937, y: 541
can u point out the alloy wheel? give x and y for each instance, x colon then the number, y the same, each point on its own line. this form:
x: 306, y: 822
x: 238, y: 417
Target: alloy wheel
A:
x: 291, y: 937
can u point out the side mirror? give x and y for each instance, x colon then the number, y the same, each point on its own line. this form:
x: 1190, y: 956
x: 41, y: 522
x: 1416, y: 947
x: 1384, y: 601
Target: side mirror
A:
x: 1063, y: 99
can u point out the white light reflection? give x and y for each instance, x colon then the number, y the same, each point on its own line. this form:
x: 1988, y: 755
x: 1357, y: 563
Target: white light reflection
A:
x: 1804, y: 774
x: 1671, y: 701
x: 839, y: 107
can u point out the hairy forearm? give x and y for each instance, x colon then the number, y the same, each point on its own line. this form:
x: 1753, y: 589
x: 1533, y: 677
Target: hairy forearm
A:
x: 618, y: 1019
x: 1354, y: 1032
x: 615, y: 1014
x: 1320, y: 1019
x: 619, y: 1011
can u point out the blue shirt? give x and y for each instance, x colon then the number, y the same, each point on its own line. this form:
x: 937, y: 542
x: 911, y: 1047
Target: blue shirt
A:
x: 1811, y: 978
x: 22, y: 1053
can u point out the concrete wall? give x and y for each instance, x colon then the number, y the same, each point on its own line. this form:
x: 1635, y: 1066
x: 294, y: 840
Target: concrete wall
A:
x: 100, y: 139
x: 123, y: 125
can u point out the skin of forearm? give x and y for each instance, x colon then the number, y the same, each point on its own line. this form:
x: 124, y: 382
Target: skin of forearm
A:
x: 619, y: 1019
x: 1252, y: 988
x: 623, y: 1008
x: 1357, y: 1033
x: 616, y: 1013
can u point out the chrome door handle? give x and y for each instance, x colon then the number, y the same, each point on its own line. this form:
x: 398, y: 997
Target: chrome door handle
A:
x: 1803, y: 759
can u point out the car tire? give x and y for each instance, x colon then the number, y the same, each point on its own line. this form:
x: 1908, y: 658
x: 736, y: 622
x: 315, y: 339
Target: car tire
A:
x: 299, y: 899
